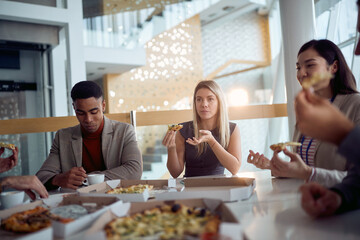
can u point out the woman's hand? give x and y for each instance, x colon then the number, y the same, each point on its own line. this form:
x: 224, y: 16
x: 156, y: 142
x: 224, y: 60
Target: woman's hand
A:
x: 169, y: 139
x: 260, y: 161
x: 205, y: 136
x: 296, y: 168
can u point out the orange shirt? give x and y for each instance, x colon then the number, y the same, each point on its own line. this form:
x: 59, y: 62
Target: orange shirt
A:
x: 92, y: 158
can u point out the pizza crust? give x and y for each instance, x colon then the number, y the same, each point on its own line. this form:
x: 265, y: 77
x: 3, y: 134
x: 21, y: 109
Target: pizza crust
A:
x: 175, y: 127
x: 7, y: 145
x: 315, y: 78
x: 282, y: 146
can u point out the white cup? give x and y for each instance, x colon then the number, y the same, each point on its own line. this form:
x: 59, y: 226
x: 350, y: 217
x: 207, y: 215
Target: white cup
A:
x: 95, y: 178
x: 11, y: 199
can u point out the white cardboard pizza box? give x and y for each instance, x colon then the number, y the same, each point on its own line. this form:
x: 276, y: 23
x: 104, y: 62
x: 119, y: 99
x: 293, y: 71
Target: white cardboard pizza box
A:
x: 63, y: 230
x: 101, y: 189
x: 46, y: 233
x: 223, y: 188
x: 230, y: 228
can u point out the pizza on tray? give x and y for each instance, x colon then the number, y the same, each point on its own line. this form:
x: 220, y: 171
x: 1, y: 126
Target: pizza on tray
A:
x: 282, y: 146
x: 7, y: 145
x: 175, y: 127
x: 175, y: 221
x: 31, y: 220
x: 140, y: 188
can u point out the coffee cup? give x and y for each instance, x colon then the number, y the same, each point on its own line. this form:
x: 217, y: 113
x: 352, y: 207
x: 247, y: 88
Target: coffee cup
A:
x: 11, y: 199
x: 95, y: 178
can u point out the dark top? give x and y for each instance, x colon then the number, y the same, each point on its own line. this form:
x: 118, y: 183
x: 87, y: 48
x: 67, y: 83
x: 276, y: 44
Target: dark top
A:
x: 205, y: 164
x: 349, y: 188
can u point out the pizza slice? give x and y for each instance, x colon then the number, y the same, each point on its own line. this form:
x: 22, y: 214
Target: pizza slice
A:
x: 140, y: 188
x: 7, y: 145
x: 35, y: 219
x: 175, y: 127
x: 315, y: 78
x: 27, y: 221
x: 282, y: 146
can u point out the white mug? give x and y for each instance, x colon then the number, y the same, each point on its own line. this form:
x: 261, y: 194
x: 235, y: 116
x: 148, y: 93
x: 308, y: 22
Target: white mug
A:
x: 95, y: 178
x: 11, y: 199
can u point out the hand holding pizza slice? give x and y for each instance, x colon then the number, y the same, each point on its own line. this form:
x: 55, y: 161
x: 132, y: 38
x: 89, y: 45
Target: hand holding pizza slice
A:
x: 281, y: 146
x: 9, y: 162
x: 7, y: 145
x: 175, y: 127
x: 316, y: 78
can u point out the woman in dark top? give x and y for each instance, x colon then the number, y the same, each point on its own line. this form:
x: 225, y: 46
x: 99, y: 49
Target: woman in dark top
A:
x: 209, y: 143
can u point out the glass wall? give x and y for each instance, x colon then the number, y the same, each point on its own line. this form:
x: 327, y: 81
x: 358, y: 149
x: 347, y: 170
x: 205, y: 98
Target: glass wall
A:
x: 29, y: 98
x: 336, y: 21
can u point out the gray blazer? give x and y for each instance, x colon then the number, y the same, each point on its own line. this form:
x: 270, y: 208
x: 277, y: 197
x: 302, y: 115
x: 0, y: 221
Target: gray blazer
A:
x: 331, y: 167
x: 120, y: 151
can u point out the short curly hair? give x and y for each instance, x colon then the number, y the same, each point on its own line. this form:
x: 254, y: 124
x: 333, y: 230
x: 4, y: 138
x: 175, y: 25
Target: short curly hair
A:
x: 86, y: 89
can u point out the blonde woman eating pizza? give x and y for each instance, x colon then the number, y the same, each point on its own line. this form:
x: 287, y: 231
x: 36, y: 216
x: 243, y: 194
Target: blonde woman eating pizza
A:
x: 208, y: 144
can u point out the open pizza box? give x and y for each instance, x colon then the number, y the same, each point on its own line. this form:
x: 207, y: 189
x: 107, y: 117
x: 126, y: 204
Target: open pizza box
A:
x: 46, y: 233
x: 227, y: 189
x: 100, y: 189
x: 95, y: 207
x: 230, y: 228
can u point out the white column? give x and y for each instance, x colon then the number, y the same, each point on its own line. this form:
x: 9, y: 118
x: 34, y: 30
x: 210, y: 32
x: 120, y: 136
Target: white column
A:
x: 75, y: 42
x: 298, y: 27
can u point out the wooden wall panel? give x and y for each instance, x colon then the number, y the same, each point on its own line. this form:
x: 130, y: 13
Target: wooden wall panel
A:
x: 52, y: 124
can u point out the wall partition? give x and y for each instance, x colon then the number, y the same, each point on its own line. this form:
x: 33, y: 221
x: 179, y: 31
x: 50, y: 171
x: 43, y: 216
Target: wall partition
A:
x: 154, y: 155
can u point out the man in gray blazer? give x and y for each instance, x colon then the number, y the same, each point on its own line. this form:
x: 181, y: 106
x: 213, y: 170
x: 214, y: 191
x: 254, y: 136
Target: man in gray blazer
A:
x: 96, y: 145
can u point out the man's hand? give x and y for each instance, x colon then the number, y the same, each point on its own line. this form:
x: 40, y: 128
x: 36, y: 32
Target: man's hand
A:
x: 296, y: 168
x: 27, y: 183
x: 259, y: 160
x: 8, y: 163
x: 319, y: 201
x: 71, y: 179
x: 205, y: 136
x: 317, y: 118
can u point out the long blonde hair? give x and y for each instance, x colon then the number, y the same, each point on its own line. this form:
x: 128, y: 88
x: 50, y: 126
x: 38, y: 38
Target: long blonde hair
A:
x: 222, y: 118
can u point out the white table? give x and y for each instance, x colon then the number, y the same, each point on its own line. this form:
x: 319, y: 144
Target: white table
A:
x: 274, y: 212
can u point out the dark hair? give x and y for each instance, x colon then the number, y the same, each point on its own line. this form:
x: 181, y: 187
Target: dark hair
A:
x: 86, y: 89
x: 344, y: 81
